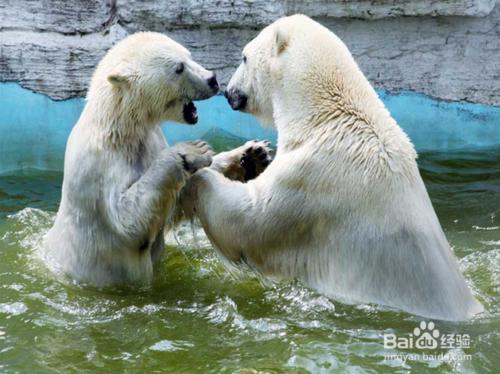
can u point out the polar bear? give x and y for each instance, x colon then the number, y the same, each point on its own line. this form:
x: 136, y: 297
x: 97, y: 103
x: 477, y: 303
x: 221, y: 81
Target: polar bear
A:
x: 342, y: 206
x: 121, y: 180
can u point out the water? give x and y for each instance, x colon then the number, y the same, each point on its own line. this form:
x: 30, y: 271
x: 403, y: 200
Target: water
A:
x: 198, y: 317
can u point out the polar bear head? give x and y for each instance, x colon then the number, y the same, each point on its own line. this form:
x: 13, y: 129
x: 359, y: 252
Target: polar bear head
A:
x: 300, y: 64
x: 250, y: 87
x: 150, y: 78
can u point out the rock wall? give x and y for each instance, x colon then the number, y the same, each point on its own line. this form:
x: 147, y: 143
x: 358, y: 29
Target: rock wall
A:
x: 446, y: 49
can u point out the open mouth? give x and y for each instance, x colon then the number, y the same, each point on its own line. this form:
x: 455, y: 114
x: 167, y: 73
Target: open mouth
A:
x: 190, y: 113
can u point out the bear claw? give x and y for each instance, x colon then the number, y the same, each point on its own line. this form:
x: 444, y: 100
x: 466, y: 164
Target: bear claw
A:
x: 257, y: 156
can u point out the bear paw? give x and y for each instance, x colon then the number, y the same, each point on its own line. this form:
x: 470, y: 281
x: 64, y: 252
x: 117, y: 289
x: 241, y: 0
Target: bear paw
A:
x: 244, y: 163
x: 195, y: 155
x: 256, y: 157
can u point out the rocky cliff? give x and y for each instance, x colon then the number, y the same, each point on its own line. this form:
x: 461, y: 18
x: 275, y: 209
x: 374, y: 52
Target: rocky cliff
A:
x: 446, y: 49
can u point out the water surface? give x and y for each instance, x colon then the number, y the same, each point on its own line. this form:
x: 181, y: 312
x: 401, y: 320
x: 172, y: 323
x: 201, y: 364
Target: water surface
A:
x: 199, y: 317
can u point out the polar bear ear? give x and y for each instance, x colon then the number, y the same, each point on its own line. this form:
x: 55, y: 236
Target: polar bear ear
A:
x: 281, y: 40
x: 120, y: 75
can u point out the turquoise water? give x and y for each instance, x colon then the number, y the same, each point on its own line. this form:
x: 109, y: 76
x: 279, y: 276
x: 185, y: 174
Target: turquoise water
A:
x: 199, y: 317
x: 42, y: 125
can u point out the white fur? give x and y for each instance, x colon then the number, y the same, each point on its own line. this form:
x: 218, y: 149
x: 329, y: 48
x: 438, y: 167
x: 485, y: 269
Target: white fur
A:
x: 342, y: 207
x: 121, y: 180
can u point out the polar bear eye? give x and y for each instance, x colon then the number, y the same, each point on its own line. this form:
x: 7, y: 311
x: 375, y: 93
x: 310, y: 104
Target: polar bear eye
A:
x: 244, y: 59
x: 180, y: 68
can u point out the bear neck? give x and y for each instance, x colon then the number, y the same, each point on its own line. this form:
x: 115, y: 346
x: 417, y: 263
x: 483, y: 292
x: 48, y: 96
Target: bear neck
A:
x: 116, y: 123
x: 336, y: 122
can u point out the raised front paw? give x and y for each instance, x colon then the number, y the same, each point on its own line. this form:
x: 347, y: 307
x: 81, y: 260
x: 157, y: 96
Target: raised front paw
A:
x: 195, y: 155
x: 256, y: 157
x: 245, y: 162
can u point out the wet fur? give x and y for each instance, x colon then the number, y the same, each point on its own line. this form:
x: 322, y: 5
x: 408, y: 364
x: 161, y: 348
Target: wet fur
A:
x: 342, y: 206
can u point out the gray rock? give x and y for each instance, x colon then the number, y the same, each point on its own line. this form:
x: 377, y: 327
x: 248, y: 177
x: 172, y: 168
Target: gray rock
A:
x: 67, y: 17
x: 454, y: 58
x: 167, y: 14
x: 377, y: 9
x: 57, y: 65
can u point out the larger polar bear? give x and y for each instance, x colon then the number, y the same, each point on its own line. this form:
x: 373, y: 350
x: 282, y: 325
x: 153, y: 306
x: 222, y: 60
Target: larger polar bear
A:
x: 342, y: 207
x: 121, y: 180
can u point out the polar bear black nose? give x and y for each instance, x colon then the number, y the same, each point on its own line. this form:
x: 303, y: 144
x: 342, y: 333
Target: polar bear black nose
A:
x: 236, y: 98
x: 212, y: 83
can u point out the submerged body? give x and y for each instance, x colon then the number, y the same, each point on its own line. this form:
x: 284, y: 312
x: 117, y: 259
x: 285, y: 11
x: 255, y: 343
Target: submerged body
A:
x: 342, y: 207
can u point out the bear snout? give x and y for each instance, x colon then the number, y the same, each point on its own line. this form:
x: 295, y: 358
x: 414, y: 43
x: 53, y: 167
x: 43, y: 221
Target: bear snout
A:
x: 236, y: 99
x: 213, y: 84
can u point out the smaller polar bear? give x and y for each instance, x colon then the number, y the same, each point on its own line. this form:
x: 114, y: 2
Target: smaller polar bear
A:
x: 121, y: 180
x: 342, y: 206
